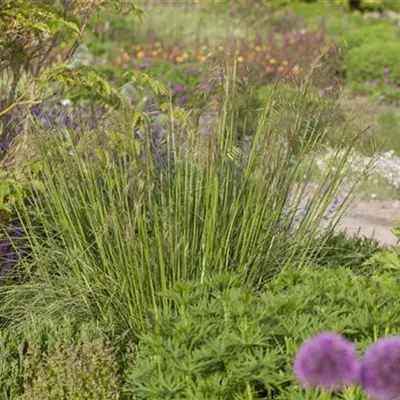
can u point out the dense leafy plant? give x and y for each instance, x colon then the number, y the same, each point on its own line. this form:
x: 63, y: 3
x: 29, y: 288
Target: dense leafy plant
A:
x: 35, y: 36
x: 43, y: 360
x: 226, y: 341
x: 350, y: 252
x: 396, y: 230
x: 372, y: 68
x: 366, y: 34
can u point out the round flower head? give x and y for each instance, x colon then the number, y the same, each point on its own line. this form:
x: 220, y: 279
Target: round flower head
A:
x: 327, y: 361
x: 380, y: 369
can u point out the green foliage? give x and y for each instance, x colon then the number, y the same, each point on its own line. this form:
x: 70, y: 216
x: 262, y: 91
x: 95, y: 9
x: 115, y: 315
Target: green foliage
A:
x: 115, y: 224
x: 365, y: 65
x: 37, y: 39
x: 304, y: 112
x: 48, y: 361
x: 349, y: 252
x: 27, y: 31
x: 366, y: 34
x: 224, y: 341
x: 396, y: 230
x: 86, y: 82
x: 384, y: 261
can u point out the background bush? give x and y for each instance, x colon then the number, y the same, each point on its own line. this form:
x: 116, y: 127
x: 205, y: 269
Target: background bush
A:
x: 373, y: 68
x: 367, y: 33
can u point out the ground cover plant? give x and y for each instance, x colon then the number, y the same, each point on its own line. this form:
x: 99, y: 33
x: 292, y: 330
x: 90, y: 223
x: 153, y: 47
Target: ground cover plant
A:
x: 225, y: 341
x: 65, y: 360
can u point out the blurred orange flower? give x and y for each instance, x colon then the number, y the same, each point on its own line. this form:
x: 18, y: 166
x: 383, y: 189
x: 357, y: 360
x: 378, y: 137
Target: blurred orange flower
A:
x: 125, y: 57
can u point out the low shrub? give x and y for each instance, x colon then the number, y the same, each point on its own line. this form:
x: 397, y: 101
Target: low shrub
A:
x: 350, y: 252
x: 366, y: 34
x: 373, y: 69
x: 43, y: 360
x: 225, y: 341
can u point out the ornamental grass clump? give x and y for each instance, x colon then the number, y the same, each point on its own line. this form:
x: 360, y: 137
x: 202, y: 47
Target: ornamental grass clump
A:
x: 110, y: 226
x: 380, y: 369
x: 327, y: 361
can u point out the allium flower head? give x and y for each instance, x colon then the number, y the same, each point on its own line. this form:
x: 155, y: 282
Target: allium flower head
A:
x: 380, y: 369
x: 327, y: 361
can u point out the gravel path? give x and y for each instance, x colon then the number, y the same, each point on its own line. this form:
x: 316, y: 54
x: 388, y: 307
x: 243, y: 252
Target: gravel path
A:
x: 375, y: 218
x: 372, y: 218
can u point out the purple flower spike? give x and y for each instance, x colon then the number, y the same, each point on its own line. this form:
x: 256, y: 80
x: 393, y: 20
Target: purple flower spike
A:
x: 395, y: 86
x: 386, y: 80
x: 380, y: 369
x: 327, y: 361
x: 385, y: 70
x: 180, y: 88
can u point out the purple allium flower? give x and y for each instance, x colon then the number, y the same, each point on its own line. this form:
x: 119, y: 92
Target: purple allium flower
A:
x: 386, y: 80
x: 180, y: 88
x: 385, y: 70
x: 380, y: 369
x: 395, y: 86
x: 328, y: 361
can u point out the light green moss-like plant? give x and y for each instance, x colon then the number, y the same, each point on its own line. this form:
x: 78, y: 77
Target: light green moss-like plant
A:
x: 44, y: 360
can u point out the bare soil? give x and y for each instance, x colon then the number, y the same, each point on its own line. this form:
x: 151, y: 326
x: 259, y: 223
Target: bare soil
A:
x: 372, y: 218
